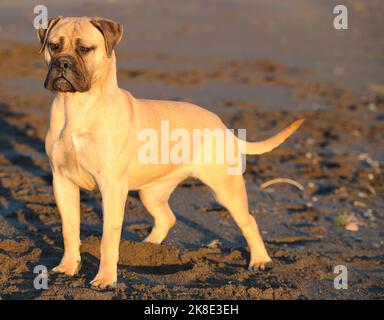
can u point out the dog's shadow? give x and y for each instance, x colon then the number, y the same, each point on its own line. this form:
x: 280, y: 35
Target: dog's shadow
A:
x: 90, y: 263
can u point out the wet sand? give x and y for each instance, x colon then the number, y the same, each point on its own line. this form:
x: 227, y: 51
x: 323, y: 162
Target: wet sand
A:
x: 257, y: 65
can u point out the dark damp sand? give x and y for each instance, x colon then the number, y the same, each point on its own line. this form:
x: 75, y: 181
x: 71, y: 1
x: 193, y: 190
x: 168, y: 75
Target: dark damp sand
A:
x: 259, y: 66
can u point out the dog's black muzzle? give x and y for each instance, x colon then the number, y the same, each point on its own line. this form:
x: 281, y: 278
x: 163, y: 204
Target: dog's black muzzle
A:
x: 65, y: 74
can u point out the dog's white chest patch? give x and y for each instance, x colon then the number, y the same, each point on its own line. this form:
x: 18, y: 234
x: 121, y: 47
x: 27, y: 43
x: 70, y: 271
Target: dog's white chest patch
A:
x: 72, y: 156
x: 87, y: 161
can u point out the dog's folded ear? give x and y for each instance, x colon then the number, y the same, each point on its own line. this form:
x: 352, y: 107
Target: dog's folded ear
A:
x: 42, y: 33
x: 111, y: 31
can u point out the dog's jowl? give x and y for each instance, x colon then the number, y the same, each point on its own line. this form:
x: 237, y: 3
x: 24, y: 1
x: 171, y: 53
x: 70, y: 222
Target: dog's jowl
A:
x: 93, y: 142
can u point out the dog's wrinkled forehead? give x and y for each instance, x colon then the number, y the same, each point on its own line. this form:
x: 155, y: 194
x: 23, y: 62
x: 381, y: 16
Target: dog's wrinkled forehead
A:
x: 72, y: 30
x: 90, y: 31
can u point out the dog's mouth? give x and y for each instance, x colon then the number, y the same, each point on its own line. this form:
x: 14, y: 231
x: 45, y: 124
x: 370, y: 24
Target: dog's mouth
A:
x: 61, y: 84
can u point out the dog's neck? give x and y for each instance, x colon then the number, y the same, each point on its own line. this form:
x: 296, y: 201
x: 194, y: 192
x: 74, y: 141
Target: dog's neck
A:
x: 78, y: 104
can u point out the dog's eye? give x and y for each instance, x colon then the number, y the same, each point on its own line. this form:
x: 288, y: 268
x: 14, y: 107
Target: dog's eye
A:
x: 54, y: 46
x: 84, y: 50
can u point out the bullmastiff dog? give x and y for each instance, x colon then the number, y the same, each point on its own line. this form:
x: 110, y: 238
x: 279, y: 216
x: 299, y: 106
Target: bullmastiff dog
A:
x: 92, y: 142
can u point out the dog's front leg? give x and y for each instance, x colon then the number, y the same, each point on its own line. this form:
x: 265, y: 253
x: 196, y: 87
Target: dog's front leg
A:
x: 67, y: 196
x: 114, y: 196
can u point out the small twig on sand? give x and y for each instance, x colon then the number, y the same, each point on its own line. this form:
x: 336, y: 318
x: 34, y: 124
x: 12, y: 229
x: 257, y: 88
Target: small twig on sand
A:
x: 282, y: 180
x: 371, y: 189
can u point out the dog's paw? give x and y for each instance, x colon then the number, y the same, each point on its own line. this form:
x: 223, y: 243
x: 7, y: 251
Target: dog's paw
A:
x: 157, y: 235
x: 68, y: 267
x: 152, y: 239
x: 260, y: 265
x: 104, y: 281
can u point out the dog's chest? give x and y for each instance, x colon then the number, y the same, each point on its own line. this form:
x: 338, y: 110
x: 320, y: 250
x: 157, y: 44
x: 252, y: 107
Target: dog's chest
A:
x: 72, y: 155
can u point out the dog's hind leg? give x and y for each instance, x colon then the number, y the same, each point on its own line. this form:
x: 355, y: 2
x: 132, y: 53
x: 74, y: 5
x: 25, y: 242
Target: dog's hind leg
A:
x: 230, y: 191
x: 155, y: 200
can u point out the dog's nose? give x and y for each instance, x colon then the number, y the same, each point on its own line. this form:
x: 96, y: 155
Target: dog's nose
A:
x: 63, y: 63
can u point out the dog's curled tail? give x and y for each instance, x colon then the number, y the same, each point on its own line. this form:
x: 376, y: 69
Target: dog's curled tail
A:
x: 271, y: 143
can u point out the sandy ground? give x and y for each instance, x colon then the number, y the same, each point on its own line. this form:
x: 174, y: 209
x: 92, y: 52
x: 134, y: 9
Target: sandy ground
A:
x: 257, y: 64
